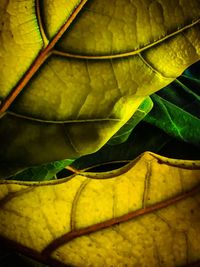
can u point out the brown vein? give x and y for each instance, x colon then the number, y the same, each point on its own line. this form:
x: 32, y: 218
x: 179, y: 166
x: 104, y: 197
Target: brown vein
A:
x: 146, y: 185
x: 125, y: 54
x: 75, y: 203
x: 124, y: 218
x: 12, y: 195
x: 44, y: 54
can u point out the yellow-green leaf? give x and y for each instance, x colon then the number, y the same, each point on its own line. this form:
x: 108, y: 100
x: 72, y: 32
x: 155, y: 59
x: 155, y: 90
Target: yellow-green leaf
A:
x: 144, y: 214
x: 73, y: 72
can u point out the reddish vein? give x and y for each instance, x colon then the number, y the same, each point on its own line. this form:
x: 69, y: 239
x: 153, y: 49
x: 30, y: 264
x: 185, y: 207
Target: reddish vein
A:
x: 54, y: 245
x: 39, y: 60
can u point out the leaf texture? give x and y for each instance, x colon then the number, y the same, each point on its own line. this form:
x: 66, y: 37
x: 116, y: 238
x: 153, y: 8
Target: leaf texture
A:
x: 144, y: 214
x: 175, y: 121
x: 43, y: 172
x: 124, y: 132
x: 177, y: 107
x: 74, y: 72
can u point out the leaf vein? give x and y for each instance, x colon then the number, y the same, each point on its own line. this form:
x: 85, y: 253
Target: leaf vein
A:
x: 75, y: 203
x: 129, y: 53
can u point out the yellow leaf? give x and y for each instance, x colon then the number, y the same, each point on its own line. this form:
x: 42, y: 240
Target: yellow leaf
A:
x: 144, y: 214
x: 75, y: 71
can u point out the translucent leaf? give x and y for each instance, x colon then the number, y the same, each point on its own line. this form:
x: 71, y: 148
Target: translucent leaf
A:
x: 123, y: 134
x: 43, y: 172
x: 74, y: 72
x: 142, y: 214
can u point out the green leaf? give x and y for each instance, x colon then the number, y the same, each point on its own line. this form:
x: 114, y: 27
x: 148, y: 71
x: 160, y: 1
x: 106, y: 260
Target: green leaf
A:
x: 43, y: 172
x: 182, y: 99
x: 178, y: 94
x: 74, y: 72
x: 175, y: 121
x: 123, y: 134
x: 177, y: 108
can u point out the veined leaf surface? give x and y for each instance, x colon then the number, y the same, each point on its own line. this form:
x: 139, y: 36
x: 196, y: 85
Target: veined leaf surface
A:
x: 175, y: 121
x: 124, y: 132
x: 177, y: 107
x: 73, y: 72
x: 43, y: 172
x: 144, y: 214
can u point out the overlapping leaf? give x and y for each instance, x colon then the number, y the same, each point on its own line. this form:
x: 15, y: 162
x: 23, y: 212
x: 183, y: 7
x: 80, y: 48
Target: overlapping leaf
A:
x: 123, y: 134
x: 78, y: 86
x: 43, y: 172
x: 177, y: 108
x: 146, y: 213
x: 181, y: 97
x: 110, y: 156
x: 175, y: 121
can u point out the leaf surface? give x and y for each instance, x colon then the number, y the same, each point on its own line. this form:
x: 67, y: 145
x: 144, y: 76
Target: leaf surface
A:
x: 175, y: 121
x: 177, y: 107
x: 146, y: 213
x: 43, y: 172
x: 123, y: 134
x: 74, y: 72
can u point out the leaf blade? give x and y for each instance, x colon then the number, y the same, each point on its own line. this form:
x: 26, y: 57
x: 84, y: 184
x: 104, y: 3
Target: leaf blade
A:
x: 90, y: 79
x: 123, y: 134
x: 176, y: 109
x: 172, y: 197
